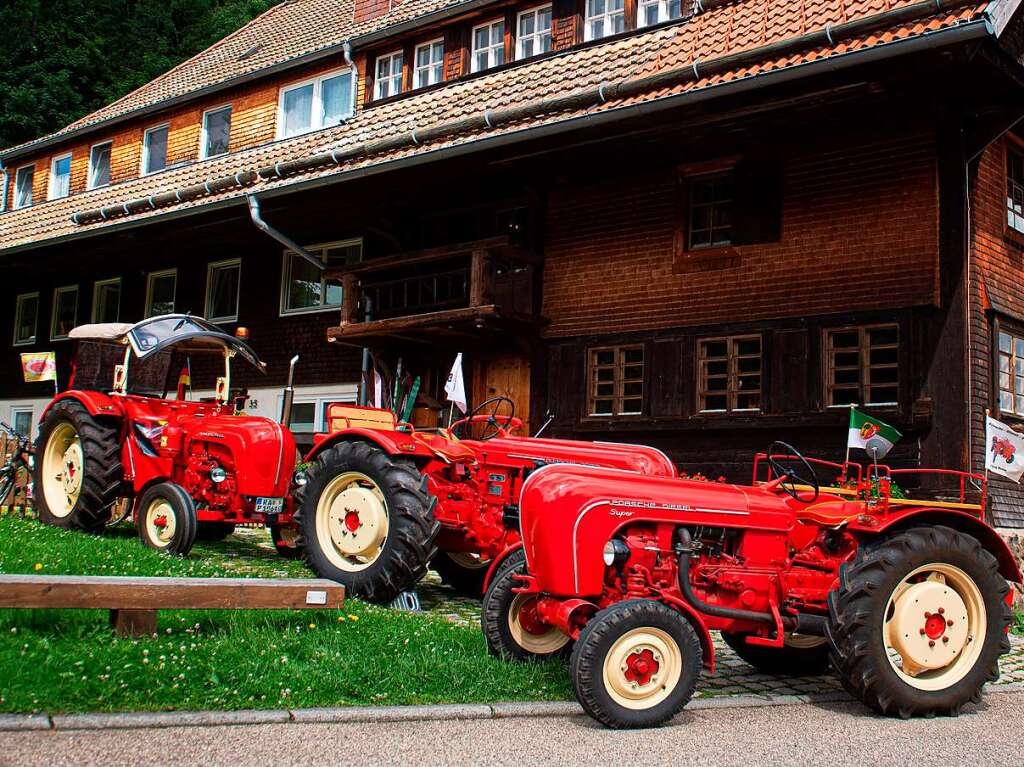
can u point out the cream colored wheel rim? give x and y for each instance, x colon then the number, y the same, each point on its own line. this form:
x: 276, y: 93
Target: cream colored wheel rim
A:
x: 160, y: 523
x: 352, y: 521
x: 468, y: 561
x: 535, y: 641
x: 935, y: 624
x: 642, y: 668
x: 63, y: 463
x: 804, y: 641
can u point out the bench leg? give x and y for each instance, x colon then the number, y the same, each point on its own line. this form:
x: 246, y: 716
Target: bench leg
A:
x: 133, y: 623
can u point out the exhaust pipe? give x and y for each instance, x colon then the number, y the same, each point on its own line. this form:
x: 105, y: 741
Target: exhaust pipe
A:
x: 289, y: 394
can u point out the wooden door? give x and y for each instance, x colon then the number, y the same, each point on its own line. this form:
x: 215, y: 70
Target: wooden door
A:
x: 507, y: 375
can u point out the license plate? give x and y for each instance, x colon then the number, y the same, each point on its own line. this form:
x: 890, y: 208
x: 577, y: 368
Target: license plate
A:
x: 270, y: 505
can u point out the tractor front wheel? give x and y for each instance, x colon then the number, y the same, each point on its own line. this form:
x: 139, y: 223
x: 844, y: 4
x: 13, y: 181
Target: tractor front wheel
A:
x: 366, y: 521
x: 636, y: 664
x: 800, y: 655
x: 78, y: 471
x: 510, y: 622
x: 919, y: 621
x: 165, y: 518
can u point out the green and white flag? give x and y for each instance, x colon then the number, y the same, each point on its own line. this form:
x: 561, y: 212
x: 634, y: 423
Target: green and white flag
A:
x: 871, y: 435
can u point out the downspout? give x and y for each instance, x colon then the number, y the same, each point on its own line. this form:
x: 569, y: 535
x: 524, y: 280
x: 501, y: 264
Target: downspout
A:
x: 288, y: 242
x: 346, y: 52
x: 3, y: 191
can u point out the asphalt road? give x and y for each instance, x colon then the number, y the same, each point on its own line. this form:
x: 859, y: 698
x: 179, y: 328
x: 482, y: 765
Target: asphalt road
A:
x: 833, y: 735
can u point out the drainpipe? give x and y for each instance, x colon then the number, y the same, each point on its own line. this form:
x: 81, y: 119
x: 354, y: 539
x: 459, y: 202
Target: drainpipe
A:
x: 3, y: 190
x: 346, y: 52
x: 288, y: 242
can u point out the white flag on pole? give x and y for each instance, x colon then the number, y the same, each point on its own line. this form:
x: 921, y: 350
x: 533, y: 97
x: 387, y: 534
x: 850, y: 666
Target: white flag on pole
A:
x: 1005, y: 448
x: 455, y: 387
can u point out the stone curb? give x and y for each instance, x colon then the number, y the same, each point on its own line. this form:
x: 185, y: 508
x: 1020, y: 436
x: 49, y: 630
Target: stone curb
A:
x: 357, y: 714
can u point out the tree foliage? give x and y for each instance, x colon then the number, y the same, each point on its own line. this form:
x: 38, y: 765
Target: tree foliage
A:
x: 66, y: 58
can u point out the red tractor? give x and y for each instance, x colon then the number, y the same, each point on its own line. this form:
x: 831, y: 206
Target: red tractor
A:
x: 908, y: 599
x: 191, y: 467
x: 380, y: 501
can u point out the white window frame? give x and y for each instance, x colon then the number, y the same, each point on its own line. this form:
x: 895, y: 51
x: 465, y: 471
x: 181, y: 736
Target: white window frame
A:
x: 204, y: 132
x: 283, y: 311
x: 17, y: 410
x: 53, y: 311
x: 390, y: 58
x: 430, y: 67
x: 608, y: 17
x: 210, y: 269
x: 145, y: 149
x: 96, y: 292
x: 316, y: 105
x: 537, y: 35
x: 490, y: 48
x: 92, y: 167
x: 663, y: 14
x: 50, y: 193
x: 149, y: 288
x: 17, y: 311
x: 17, y: 186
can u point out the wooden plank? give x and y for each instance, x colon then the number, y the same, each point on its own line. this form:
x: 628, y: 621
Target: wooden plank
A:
x: 400, y: 324
x: 122, y: 593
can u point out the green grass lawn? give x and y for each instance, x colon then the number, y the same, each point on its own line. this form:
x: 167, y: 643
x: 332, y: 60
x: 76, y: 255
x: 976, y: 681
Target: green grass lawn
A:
x: 69, y: 660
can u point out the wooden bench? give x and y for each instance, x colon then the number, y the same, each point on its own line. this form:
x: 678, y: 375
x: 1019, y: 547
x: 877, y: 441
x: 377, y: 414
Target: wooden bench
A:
x: 133, y: 602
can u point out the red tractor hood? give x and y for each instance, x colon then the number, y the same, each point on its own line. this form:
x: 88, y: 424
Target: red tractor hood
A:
x: 568, y: 513
x: 543, y: 452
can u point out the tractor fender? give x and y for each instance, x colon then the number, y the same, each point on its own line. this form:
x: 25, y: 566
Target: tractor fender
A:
x: 688, y: 612
x: 498, y: 561
x: 958, y: 520
x: 391, y: 442
x: 96, y: 403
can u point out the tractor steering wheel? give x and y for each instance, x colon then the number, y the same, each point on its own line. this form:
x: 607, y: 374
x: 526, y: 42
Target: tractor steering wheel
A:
x: 487, y: 413
x: 796, y: 469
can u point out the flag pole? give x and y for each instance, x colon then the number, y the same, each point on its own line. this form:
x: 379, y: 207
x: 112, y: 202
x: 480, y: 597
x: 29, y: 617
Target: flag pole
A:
x: 853, y: 405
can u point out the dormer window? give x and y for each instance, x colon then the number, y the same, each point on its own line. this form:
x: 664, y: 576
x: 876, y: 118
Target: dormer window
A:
x: 216, y: 136
x: 488, y: 45
x: 429, y: 63
x: 314, y: 104
x: 388, y: 78
x: 154, y: 149
x: 604, y: 18
x: 23, y: 181
x: 60, y: 177
x: 533, y: 32
x: 657, y: 11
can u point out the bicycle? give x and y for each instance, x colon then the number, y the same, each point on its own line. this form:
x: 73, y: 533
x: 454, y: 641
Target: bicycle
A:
x: 20, y: 460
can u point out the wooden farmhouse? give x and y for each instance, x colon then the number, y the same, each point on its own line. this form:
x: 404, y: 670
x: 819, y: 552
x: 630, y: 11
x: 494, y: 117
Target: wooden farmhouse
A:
x: 698, y: 224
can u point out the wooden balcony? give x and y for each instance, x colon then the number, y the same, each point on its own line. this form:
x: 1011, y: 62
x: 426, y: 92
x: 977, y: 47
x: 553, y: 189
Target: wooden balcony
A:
x: 469, y: 290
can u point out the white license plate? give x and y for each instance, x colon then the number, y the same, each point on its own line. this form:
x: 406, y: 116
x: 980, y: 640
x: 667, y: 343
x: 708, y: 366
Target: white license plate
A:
x: 270, y: 505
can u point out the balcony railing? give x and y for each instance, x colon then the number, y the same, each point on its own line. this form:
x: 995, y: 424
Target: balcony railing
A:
x: 473, y: 283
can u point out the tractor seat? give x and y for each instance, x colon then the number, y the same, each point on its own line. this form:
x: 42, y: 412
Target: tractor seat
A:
x: 341, y: 416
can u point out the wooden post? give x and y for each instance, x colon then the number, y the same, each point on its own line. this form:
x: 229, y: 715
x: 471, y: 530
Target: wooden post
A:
x: 480, y: 278
x: 349, y: 299
x: 133, y: 623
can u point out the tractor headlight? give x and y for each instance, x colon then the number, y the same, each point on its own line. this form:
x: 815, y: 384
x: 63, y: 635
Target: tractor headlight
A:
x: 299, y: 479
x: 615, y: 553
x: 218, y: 475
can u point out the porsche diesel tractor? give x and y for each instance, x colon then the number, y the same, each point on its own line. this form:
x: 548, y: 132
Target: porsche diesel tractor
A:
x: 908, y: 599
x: 191, y: 467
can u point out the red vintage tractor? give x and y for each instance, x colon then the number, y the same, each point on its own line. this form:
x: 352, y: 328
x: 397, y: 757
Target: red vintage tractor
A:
x: 908, y: 599
x: 192, y: 467
x: 380, y: 501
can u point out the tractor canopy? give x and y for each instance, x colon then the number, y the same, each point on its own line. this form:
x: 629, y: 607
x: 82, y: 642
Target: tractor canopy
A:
x: 182, y: 331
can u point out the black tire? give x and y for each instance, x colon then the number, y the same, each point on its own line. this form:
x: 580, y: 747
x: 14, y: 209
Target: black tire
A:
x: 465, y: 580
x: 506, y: 637
x: 796, y: 659
x: 858, y: 612
x: 102, y: 472
x: 598, y: 639
x: 176, y: 502
x: 409, y: 545
x: 214, y: 531
x: 286, y: 543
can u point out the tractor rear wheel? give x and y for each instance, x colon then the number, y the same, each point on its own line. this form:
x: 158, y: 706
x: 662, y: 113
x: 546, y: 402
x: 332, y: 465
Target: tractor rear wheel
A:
x: 78, y: 471
x: 800, y: 655
x: 367, y: 521
x: 636, y: 664
x: 919, y: 621
x: 165, y: 518
x: 462, y: 571
x: 510, y: 622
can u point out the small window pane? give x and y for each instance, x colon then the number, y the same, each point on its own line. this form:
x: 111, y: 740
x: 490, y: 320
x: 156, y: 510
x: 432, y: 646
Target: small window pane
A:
x: 60, y: 183
x: 863, y: 365
x: 107, y: 301
x: 161, y: 294
x: 298, y: 110
x: 305, y: 286
x: 222, y: 297
x: 617, y: 376
x: 23, y: 181
x: 710, y: 211
x: 218, y: 132
x: 155, y: 149
x: 25, y: 317
x: 336, y: 98
x: 730, y: 374
x: 22, y: 422
x: 1015, y: 190
x: 99, y: 166
x: 65, y: 310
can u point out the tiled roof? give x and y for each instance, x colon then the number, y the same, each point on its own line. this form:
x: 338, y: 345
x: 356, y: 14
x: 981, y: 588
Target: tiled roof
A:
x: 725, y: 30
x: 291, y: 30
